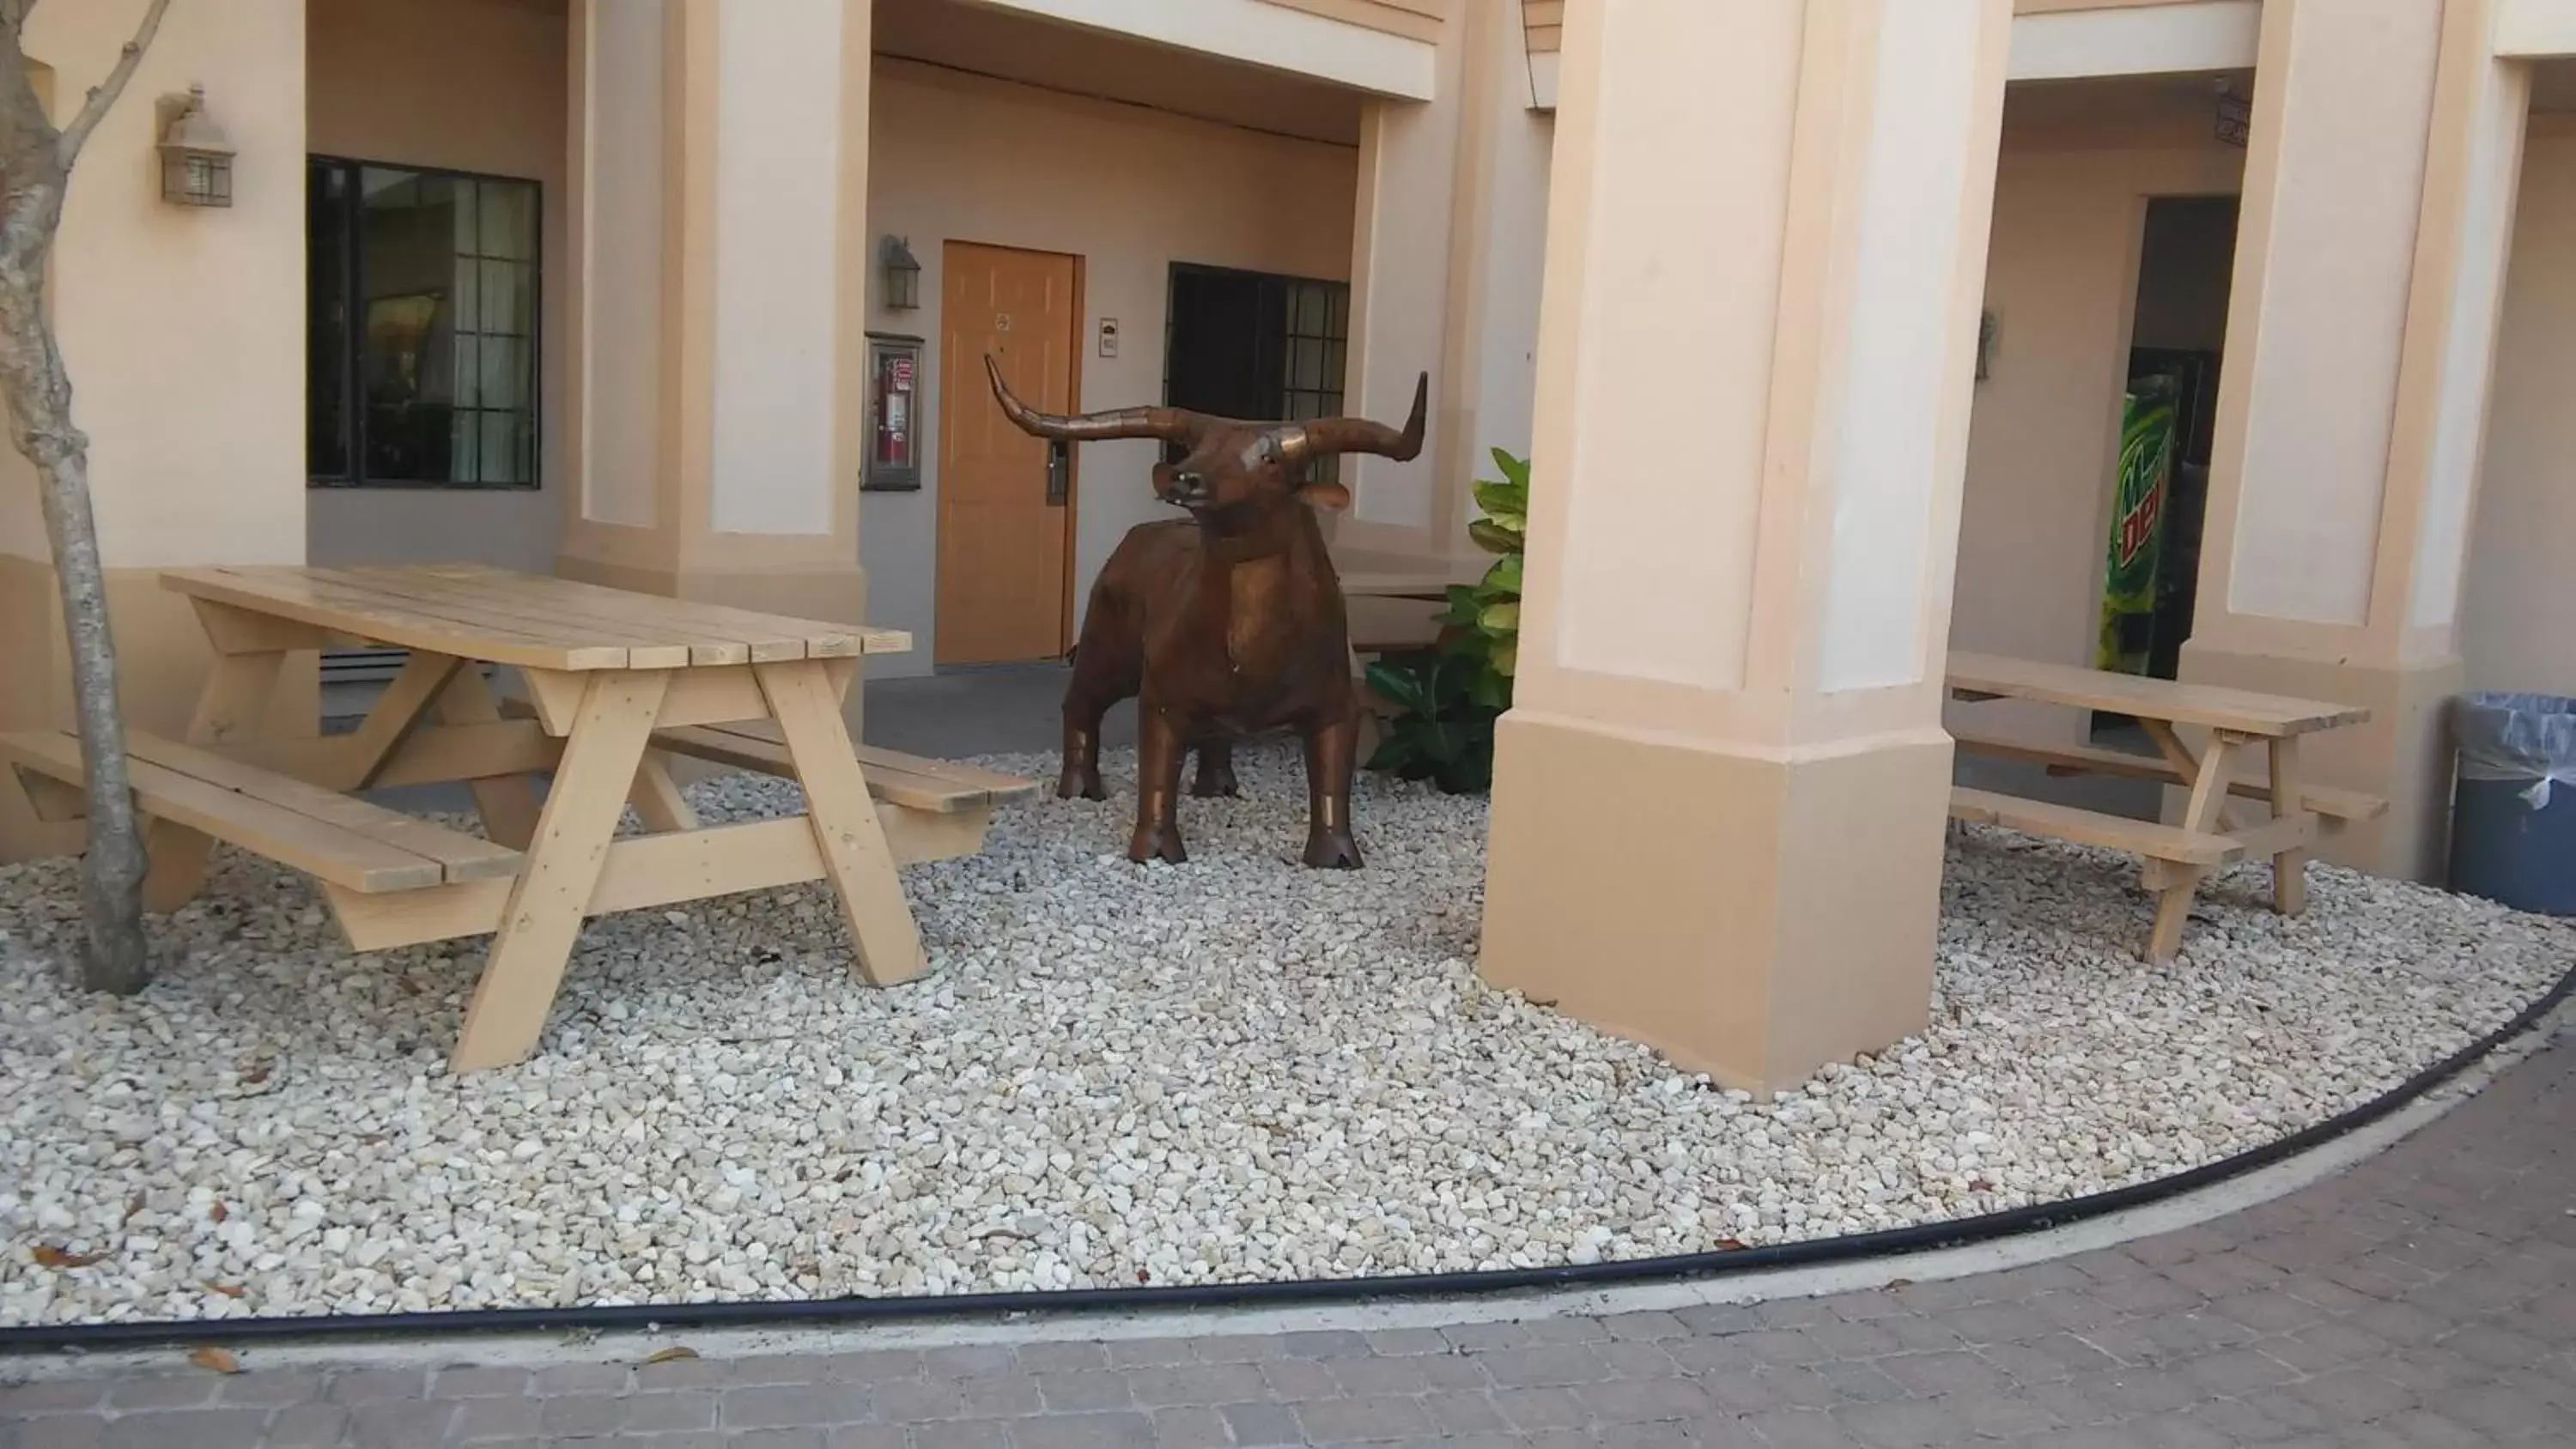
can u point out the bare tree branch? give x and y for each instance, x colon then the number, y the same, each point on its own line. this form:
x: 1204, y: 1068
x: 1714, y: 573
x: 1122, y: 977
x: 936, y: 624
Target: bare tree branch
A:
x: 104, y: 94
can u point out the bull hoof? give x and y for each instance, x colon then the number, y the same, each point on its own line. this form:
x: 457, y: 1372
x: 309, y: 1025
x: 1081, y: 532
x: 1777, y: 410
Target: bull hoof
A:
x: 1074, y: 782
x: 1332, y: 850
x: 1210, y: 784
x: 1163, y: 845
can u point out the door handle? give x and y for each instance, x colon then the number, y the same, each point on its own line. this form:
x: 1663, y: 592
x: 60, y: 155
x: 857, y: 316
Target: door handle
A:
x: 1059, y: 472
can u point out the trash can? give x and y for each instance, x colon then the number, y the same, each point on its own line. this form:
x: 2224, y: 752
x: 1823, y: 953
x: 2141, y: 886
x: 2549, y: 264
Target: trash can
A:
x: 2513, y: 810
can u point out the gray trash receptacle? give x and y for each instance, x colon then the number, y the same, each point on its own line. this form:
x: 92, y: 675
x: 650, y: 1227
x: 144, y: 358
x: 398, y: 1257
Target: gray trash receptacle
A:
x: 2513, y: 809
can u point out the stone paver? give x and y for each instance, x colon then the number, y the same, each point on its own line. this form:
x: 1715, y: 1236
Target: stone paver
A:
x: 2425, y: 1298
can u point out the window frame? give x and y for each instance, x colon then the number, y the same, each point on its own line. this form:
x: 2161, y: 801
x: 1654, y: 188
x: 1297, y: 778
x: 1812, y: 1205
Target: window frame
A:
x: 1338, y: 391
x: 1326, y: 469
x: 354, y: 275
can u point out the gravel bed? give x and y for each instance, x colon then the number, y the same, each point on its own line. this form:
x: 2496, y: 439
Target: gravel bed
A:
x: 1234, y: 1069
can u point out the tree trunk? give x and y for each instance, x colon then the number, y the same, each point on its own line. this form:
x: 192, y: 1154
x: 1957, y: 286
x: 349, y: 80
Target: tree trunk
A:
x: 39, y: 393
x: 35, y: 168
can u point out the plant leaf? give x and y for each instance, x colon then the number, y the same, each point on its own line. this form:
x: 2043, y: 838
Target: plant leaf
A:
x: 1461, y: 609
x: 1507, y: 656
x: 217, y: 1360
x: 1493, y: 537
x: 1399, y: 683
x: 672, y: 1354
x: 1492, y: 690
x: 229, y: 1290
x: 1503, y: 578
x: 1515, y: 469
x: 49, y: 1256
x: 1500, y: 619
x: 1499, y: 499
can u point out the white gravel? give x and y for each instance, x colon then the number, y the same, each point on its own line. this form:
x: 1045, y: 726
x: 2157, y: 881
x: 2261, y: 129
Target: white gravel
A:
x: 1234, y: 1069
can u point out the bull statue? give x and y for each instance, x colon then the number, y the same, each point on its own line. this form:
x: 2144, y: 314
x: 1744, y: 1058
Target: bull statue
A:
x: 1225, y: 624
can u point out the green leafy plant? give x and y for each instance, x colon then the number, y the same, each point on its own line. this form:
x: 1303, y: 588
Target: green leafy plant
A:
x: 1447, y: 697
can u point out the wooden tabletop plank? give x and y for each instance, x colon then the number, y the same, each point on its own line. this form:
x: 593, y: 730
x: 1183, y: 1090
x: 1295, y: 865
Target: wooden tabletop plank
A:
x: 772, y: 638
x: 290, y: 592
x: 531, y: 621
x: 624, y: 609
x: 472, y: 604
x: 2208, y: 705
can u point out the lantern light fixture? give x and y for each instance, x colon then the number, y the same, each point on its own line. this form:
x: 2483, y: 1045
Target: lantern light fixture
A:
x: 196, y: 159
x: 902, y: 274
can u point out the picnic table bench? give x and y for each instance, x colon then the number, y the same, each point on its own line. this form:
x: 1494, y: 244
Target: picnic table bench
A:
x: 2245, y: 728
x: 616, y: 681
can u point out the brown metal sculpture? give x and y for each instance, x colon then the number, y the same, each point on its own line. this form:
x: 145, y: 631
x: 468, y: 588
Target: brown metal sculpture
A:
x: 1226, y: 624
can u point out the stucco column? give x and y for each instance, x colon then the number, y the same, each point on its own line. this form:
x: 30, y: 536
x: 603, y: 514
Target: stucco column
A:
x: 1447, y: 249
x: 2379, y: 192
x: 1720, y: 797
x: 721, y: 256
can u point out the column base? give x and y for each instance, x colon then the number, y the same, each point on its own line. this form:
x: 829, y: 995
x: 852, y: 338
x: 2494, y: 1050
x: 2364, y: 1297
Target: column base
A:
x: 1750, y: 917
x: 161, y: 662
x: 2402, y: 752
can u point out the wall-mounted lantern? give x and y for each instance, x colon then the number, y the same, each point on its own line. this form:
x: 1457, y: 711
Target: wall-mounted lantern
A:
x: 902, y: 274
x: 196, y: 161
x: 2234, y: 122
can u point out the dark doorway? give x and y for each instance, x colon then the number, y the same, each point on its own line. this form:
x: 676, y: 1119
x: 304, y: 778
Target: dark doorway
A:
x: 2185, y: 266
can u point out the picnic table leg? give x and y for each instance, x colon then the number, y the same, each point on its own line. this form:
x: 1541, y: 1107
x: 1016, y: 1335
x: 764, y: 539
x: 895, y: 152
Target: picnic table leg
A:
x: 856, y: 857
x: 2290, y: 867
x: 507, y: 803
x: 657, y: 798
x: 2177, y: 883
x: 552, y: 893
x: 233, y: 704
x: 422, y: 680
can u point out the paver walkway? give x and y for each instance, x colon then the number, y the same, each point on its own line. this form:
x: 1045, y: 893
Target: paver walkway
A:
x: 2426, y: 1298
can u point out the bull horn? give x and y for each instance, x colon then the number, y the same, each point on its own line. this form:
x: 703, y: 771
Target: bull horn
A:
x: 1325, y: 436
x: 1172, y: 425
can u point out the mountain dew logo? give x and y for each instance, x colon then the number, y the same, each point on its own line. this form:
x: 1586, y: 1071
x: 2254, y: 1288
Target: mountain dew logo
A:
x: 2138, y: 495
x: 2138, y: 502
x: 2137, y: 527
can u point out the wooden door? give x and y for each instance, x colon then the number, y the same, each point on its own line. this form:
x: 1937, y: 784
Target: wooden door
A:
x: 1003, y: 542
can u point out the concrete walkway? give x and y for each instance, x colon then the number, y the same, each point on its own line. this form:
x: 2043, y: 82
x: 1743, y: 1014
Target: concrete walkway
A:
x: 2426, y: 1297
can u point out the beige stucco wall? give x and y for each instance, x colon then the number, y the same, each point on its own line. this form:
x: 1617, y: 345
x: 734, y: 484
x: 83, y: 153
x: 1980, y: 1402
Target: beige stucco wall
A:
x: 2518, y: 626
x: 2062, y: 278
x: 465, y: 85
x: 959, y: 158
x: 183, y: 331
x: 196, y: 430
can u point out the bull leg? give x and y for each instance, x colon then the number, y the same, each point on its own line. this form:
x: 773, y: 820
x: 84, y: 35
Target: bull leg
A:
x: 1331, y: 745
x: 1158, y: 784
x: 1086, y: 699
x: 1081, y: 773
x: 1216, y: 771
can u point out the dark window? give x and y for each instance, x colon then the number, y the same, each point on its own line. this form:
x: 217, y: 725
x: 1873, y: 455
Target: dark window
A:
x: 422, y: 311
x: 1254, y: 345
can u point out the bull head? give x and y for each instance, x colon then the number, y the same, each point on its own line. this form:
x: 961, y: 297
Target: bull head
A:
x: 1232, y: 470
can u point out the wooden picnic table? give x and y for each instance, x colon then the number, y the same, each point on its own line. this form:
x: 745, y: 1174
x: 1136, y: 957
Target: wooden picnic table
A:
x: 615, y: 680
x: 2245, y: 728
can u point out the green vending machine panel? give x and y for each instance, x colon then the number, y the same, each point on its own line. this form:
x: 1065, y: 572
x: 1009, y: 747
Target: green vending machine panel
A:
x: 2142, y: 488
